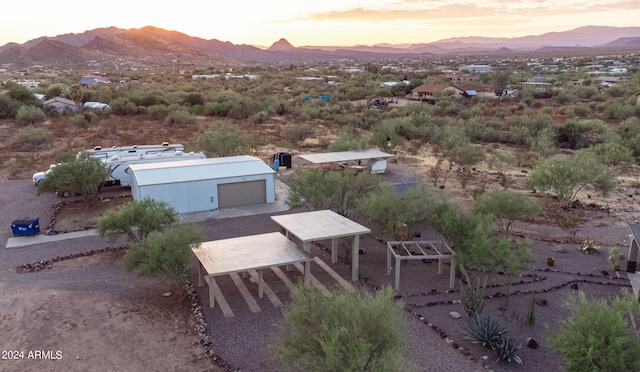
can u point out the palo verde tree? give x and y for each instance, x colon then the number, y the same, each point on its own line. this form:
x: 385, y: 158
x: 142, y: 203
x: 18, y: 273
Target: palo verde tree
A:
x: 565, y: 176
x: 506, y: 207
x: 348, y: 331
x: 136, y: 220
x: 399, y: 214
x: 598, y: 335
x: 166, y: 254
x: 78, y: 173
x: 339, y: 191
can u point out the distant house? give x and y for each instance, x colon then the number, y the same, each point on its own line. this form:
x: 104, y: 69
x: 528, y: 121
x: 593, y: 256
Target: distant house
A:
x: 429, y: 92
x: 60, y: 104
x: 475, y: 68
x: 89, y: 81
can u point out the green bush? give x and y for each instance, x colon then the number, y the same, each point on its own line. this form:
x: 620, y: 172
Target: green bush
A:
x: 29, y: 115
x: 34, y: 137
x: 298, y: 133
x: 345, y: 332
x: 180, y: 118
x: 595, y: 337
x: 158, y: 112
x: 123, y: 107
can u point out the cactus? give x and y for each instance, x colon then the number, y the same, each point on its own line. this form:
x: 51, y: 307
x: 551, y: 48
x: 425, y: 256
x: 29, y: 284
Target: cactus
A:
x: 589, y: 246
x: 472, y: 298
x: 530, y: 319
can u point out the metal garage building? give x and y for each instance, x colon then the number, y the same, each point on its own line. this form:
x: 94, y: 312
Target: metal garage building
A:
x: 205, y: 184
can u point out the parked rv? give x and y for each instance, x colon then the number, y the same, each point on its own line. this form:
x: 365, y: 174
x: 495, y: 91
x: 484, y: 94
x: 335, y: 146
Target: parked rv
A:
x: 119, y: 165
x: 108, y: 153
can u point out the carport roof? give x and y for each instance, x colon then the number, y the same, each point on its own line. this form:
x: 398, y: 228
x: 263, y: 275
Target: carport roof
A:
x: 342, y: 156
x: 198, y: 169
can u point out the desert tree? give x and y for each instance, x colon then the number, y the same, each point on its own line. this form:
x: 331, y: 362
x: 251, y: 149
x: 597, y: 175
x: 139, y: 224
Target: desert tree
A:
x: 223, y: 139
x: 349, y: 331
x: 166, y: 255
x: 339, y: 191
x: 136, y: 220
x: 501, y: 80
x: 397, y: 212
x: 567, y: 175
x: 501, y: 161
x: 384, y: 135
x: 597, y: 335
x: 77, y: 173
x: 506, y: 207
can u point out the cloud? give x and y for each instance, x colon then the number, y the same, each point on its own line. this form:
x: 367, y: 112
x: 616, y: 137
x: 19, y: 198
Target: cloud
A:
x: 454, y: 11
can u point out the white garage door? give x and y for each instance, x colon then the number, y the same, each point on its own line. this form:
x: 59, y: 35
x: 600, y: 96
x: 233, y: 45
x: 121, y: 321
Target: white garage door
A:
x: 242, y: 193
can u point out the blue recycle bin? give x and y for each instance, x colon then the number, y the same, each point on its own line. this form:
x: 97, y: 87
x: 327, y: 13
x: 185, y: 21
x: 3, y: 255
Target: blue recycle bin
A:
x: 25, y: 227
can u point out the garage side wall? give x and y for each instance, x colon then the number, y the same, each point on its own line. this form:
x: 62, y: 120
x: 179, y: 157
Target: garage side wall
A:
x: 197, y: 196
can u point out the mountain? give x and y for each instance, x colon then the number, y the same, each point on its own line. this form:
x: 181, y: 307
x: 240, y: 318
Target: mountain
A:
x: 281, y: 45
x: 151, y: 46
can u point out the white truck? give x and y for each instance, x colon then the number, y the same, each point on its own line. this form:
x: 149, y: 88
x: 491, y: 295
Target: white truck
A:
x: 119, y: 165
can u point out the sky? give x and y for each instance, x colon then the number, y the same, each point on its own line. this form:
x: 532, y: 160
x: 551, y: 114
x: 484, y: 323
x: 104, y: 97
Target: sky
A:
x: 317, y: 22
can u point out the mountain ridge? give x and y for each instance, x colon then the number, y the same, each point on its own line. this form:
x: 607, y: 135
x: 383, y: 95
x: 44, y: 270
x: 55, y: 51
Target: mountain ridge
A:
x: 157, y: 46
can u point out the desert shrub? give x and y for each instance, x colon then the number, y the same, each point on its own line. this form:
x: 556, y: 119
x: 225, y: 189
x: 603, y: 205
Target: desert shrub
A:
x: 577, y: 134
x: 544, y: 142
x: 298, y: 133
x: 260, y: 117
x: 616, y: 91
x: 621, y: 111
x: 346, y: 332
x: 8, y: 107
x: 595, y: 337
x: 612, y: 153
x: 34, y: 137
x: 23, y: 95
x: 123, y: 107
x: 193, y: 99
x: 82, y: 120
x: 157, y: 112
x: 346, y: 141
x: 180, y: 118
x: 629, y: 131
x: 576, y: 111
x: 565, y: 98
x: 30, y: 115
x: 506, y: 207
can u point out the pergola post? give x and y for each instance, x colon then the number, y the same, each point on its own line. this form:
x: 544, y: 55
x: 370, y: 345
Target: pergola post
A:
x: 307, y: 265
x: 334, y: 250
x: 355, y: 255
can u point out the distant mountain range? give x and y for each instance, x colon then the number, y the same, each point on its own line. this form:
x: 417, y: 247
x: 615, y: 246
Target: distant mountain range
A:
x: 151, y: 46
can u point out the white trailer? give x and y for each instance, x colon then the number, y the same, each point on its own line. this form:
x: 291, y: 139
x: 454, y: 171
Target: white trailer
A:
x: 108, y: 153
x: 119, y: 165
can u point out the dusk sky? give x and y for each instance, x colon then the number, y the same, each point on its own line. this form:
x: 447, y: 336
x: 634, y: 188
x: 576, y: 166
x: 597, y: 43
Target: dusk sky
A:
x: 326, y: 22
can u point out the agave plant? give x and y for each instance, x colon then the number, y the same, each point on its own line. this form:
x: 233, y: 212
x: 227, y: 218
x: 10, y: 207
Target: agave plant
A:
x: 472, y: 298
x: 506, y: 350
x: 483, y: 329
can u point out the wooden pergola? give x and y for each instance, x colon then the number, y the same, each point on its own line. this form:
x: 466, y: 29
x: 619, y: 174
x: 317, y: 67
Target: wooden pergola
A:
x: 420, y: 250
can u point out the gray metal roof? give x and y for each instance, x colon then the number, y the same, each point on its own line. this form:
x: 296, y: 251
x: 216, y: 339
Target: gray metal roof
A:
x: 196, y: 170
x: 341, y: 156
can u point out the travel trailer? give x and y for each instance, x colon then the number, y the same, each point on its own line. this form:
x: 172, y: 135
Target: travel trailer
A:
x: 119, y: 165
x: 108, y: 153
